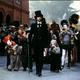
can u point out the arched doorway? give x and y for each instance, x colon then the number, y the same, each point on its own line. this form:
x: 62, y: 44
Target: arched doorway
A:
x: 8, y: 19
x: 1, y: 17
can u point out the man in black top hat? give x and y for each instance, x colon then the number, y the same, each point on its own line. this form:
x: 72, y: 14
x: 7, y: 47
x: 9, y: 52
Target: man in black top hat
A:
x: 39, y: 40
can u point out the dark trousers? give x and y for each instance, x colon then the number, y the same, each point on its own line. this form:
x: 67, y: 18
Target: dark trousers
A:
x: 55, y: 62
x: 8, y: 59
x: 24, y: 58
x: 24, y: 61
x: 2, y: 49
x: 30, y: 58
x: 38, y: 59
x: 78, y: 54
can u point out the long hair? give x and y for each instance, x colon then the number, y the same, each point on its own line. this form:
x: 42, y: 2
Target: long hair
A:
x: 74, y: 19
x: 55, y: 27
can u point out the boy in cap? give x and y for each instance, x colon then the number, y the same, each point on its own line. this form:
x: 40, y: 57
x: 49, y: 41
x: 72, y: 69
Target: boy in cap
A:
x: 65, y: 37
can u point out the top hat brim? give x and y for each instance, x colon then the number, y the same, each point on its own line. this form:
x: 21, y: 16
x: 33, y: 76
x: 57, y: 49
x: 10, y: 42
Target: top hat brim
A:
x: 38, y: 14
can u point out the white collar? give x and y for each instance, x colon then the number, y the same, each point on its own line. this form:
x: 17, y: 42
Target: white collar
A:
x: 39, y: 22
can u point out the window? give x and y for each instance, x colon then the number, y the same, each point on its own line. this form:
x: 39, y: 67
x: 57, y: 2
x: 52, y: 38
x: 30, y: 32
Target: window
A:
x: 18, y: 2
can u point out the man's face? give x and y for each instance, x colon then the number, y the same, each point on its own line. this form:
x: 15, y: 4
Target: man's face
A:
x: 39, y: 19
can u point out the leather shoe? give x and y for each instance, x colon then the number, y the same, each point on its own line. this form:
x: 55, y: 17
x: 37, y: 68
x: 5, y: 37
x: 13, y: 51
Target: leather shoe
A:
x: 39, y: 75
x: 24, y: 69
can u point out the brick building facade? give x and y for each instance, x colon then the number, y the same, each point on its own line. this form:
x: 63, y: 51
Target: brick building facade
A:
x: 14, y: 10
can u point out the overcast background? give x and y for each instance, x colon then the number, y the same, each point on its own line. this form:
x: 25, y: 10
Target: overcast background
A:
x: 55, y: 10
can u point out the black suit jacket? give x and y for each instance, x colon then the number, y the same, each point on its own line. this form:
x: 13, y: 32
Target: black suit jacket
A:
x: 39, y: 36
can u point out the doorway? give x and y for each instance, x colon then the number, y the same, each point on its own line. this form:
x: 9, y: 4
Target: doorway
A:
x: 1, y: 17
x: 8, y: 20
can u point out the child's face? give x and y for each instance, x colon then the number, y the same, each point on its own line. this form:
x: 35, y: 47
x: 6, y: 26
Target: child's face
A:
x: 20, y: 31
x: 65, y: 27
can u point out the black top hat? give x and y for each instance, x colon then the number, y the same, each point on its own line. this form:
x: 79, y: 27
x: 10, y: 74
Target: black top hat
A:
x: 38, y: 14
x: 74, y: 18
x: 64, y: 22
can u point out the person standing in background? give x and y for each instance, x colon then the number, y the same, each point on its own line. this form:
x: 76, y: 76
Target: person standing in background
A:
x: 55, y: 64
x: 21, y: 40
x: 65, y: 37
x: 73, y: 21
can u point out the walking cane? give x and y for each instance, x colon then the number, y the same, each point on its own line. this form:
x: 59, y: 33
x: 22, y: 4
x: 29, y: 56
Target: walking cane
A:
x: 28, y: 53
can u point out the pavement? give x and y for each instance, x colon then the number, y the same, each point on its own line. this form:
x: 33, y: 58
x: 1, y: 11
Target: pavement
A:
x: 66, y: 74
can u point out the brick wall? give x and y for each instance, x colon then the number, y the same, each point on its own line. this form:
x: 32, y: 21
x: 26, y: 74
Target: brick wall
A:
x: 18, y: 12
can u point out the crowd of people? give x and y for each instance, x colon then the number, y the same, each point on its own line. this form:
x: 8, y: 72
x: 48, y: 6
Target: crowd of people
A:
x: 23, y: 46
